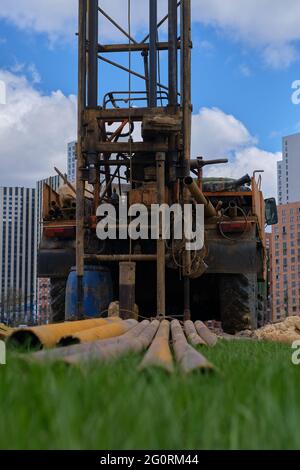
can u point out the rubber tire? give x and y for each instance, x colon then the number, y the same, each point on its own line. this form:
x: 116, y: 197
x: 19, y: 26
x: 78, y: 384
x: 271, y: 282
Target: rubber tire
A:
x: 58, y: 299
x: 238, y: 302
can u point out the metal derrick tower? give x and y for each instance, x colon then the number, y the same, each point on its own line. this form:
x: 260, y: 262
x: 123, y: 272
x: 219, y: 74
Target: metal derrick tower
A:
x: 163, y: 111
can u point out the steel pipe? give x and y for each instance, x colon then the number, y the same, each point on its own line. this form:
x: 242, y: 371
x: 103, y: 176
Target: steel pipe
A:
x: 121, y: 258
x: 188, y: 359
x: 192, y: 335
x: 137, y: 340
x: 208, y: 336
x: 59, y: 354
x: 153, y: 54
x: 199, y: 197
x: 47, y: 336
x: 80, y: 185
x: 99, y: 333
x: 159, y: 354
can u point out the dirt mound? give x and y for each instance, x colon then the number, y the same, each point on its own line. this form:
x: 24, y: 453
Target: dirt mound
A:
x: 286, y: 331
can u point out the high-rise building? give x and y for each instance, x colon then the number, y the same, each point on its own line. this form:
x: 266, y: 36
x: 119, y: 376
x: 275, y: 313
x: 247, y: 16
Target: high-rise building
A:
x: 18, y: 242
x: 269, y: 286
x: 285, y: 262
x: 288, y: 170
x: 72, y: 162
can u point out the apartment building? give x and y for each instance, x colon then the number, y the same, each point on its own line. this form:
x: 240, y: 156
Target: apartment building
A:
x: 285, y: 262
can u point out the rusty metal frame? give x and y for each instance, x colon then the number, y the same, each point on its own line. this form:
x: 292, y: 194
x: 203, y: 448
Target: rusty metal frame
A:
x: 92, y: 118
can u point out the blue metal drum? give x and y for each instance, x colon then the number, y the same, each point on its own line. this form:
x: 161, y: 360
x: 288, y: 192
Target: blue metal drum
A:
x: 97, y: 292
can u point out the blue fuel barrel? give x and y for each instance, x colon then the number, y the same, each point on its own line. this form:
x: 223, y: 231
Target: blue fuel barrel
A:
x: 97, y: 292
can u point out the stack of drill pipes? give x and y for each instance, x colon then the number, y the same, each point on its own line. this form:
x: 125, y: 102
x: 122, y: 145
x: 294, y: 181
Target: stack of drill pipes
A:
x: 159, y: 354
x: 132, y: 342
x: 192, y: 334
x: 59, y: 354
x: 96, y: 334
x: 47, y: 336
x: 209, y: 337
x: 189, y: 360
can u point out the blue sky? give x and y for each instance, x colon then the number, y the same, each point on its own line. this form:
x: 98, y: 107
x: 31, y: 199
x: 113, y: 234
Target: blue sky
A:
x: 229, y: 73
x: 226, y: 74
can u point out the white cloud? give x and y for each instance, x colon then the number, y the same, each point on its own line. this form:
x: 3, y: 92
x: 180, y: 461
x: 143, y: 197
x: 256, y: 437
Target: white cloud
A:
x: 271, y: 25
x: 34, y: 131
x: 58, y: 18
x: 54, y: 17
x: 280, y: 56
x: 219, y: 135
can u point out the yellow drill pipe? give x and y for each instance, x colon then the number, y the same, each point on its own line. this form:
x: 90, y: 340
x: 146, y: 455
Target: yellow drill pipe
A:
x: 188, y: 359
x: 48, y: 336
x: 135, y: 341
x: 159, y: 353
x: 208, y: 336
x: 59, y: 354
x: 192, y: 334
x: 100, y: 332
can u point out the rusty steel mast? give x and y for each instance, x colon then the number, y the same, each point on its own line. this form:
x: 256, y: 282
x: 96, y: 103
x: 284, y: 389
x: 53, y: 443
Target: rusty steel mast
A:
x: 166, y: 130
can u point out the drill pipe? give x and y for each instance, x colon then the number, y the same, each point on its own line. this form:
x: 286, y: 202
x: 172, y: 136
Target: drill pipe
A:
x: 192, y: 334
x: 59, y: 354
x: 47, y: 336
x: 199, y: 197
x: 132, y: 342
x: 188, y: 359
x: 209, y: 337
x: 101, y: 332
x: 159, y: 353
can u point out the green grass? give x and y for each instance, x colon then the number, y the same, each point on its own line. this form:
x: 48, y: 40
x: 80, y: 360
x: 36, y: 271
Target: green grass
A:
x: 252, y: 403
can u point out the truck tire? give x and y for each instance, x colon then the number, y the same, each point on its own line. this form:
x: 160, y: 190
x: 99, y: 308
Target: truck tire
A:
x: 238, y: 302
x: 58, y: 299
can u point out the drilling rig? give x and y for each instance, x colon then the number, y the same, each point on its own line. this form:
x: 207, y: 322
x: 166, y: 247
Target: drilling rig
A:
x: 134, y: 145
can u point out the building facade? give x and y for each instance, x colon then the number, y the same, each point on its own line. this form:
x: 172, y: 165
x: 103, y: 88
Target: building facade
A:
x: 288, y: 170
x: 285, y: 262
x: 72, y: 162
x: 18, y: 254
